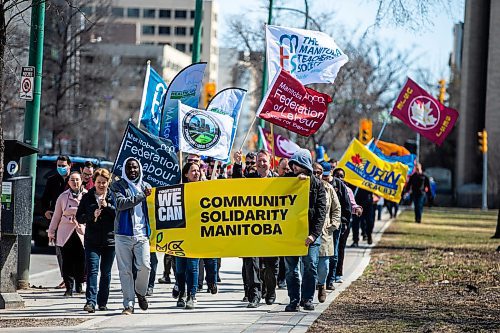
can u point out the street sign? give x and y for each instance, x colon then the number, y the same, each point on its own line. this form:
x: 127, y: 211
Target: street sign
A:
x: 27, y: 81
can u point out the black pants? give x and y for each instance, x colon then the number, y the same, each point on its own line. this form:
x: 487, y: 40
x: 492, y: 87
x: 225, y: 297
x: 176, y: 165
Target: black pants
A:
x: 342, y: 243
x: 269, y: 275
x: 366, y: 221
x: 73, y: 264
x: 168, y: 264
x: 282, y: 269
x: 251, y: 273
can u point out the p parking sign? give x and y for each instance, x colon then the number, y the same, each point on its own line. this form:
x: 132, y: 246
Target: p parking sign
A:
x: 27, y: 81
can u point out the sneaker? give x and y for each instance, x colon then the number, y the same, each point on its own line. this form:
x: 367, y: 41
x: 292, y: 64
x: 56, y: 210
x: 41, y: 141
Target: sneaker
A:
x: 338, y: 279
x: 330, y: 286
x: 270, y: 299
x: 189, y: 303
x: 292, y: 308
x: 282, y: 284
x: 103, y: 308
x: 322, y: 294
x: 164, y: 280
x: 354, y: 244
x: 308, y: 305
x: 212, y: 288
x: 253, y: 303
x: 68, y: 293
x: 128, y: 311
x: 181, y: 303
x: 175, y: 291
x: 149, y: 292
x: 89, y: 307
x: 143, y: 302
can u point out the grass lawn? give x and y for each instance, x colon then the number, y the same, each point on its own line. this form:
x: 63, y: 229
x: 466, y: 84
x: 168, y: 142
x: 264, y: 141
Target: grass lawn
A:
x: 442, y: 275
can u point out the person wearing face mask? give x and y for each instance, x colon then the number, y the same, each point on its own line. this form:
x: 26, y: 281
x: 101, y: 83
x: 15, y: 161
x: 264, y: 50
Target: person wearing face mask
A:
x: 68, y: 234
x: 97, y: 212
x: 56, y: 184
x: 132, y: 233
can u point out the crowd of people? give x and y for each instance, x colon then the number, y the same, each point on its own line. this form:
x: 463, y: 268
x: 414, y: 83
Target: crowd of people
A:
x: 96, y: 217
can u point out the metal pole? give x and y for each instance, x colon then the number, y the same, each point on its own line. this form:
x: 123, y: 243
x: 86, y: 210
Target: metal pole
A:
x: 197, y: 31
x: 485, y: 182
x: 31, y: 127
x: 417, y: 141
x: 264, y: 73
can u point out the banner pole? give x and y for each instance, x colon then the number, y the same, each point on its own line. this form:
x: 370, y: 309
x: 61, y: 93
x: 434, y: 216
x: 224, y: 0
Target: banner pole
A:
x: 381, y: 131
x: 144, y: 93
x: 180, y: 163
x: 216, y: 163
x: 248, y: 132
x: 273, y: 151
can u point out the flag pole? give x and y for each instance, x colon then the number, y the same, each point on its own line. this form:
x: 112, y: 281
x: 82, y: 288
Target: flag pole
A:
x: 144, y: 93
x: 381, y: 131
x: 180, y: 163
x: 273, y: 151
x: 248, y: 132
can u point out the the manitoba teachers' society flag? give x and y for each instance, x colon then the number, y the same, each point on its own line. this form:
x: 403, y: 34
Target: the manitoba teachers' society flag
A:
x: 204, y: 133
x: 421, y: 112
x: 366, y: 170
x: 309, y: 56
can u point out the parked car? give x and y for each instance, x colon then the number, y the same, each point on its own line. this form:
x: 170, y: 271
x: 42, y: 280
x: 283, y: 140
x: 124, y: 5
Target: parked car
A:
x: 45, y: 167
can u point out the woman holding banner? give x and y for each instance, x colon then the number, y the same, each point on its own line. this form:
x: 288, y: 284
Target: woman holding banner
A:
x: 186, y: 269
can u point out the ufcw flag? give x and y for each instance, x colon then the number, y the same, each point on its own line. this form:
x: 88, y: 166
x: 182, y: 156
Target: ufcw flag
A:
x: 366, y: 170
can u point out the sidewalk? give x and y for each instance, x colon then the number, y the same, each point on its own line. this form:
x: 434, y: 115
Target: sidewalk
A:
x: 223, y: 312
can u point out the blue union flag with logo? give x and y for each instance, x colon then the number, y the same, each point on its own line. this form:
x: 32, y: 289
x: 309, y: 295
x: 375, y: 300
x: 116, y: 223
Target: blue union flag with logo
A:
x: 204, y: 133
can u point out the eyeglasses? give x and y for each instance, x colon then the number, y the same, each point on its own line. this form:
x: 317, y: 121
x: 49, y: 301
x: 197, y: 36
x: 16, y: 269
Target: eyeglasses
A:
x: 317, y: 172
x: 193, y: 160
x: 339, y: 175
x: 87, y: 174
x: 250, y: 162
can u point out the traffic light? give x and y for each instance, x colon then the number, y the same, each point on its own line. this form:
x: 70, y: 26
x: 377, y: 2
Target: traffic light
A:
x: 482, y: 138
x: 209, y: 92
x: 442, y: 90
x: 365, y: 130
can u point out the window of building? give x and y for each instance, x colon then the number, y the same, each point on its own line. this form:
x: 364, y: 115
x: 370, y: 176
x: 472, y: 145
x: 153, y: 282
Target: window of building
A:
x: 191, y: 31
x: 149, y: 13
x: 181, y: 14
x: 181, y: 47
x: 148, y: 29
x: 215, y: 33
x: 191, y: 47
x: 192, y: 14
x: 215, y: 17
x: 162, y: 30
x: 132, y: 12
x: 165, y: 13
x: 117, y: 11
x: 180, y: 31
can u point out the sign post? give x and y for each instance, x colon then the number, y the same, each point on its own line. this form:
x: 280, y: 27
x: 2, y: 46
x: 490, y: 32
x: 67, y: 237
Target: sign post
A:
x: 27, y: 81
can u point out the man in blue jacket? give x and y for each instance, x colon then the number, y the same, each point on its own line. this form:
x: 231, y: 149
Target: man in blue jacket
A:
x: 132, y: 234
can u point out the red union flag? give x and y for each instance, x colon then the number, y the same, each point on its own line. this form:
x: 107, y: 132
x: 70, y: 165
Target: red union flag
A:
x: 423, y: 113
x: 283, y: 147
x: 290, y: 105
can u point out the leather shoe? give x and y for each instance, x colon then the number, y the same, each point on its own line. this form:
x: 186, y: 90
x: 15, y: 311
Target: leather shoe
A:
x: 143, y: 302
x: 292, y: 308
x: 270, y: 299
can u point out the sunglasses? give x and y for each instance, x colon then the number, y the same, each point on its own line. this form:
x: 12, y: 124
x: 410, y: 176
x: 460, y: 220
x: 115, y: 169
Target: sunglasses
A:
x: 317, y: 172
x: 250, y: 162
x: 193, y: 160
x: 87, y: 174
x: 341, y: 176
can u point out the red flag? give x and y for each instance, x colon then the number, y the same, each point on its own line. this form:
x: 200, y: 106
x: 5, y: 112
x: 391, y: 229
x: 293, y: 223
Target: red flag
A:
x: 290, y: 105
x: 423, y: 113
x: 283, y: 147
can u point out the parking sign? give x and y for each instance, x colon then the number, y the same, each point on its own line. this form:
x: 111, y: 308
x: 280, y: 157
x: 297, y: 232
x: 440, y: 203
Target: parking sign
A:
x: 27, y: 81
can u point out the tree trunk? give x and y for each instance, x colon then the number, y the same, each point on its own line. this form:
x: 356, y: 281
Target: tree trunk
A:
x: 3, y: 40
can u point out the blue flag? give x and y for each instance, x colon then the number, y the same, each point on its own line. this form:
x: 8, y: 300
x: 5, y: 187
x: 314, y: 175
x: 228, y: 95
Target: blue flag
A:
x: 229, y: 102
x: 160, y: 165
x: 408, y: 160
x: 185, y: 87
x: 153, y: 98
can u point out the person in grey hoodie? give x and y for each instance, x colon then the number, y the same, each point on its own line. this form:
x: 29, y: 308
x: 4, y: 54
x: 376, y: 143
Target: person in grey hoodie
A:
x: 132, y: 234
x: 303, y: 293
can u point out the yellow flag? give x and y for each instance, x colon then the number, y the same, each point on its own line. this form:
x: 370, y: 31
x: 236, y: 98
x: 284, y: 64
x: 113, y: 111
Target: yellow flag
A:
x: 366, y: 170
x: 259, y: 217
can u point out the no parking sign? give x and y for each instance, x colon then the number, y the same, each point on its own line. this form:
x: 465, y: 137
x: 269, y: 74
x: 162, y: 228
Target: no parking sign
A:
x: 27, y: 81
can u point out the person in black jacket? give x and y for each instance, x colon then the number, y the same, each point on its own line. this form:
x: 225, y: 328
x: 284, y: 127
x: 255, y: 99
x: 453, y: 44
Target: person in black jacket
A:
x: 97, y: 212
x: 303, y: 295
x: 420, y: 188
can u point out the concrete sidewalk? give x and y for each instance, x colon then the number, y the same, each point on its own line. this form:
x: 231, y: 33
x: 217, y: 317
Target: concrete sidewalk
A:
x: 223, y: 312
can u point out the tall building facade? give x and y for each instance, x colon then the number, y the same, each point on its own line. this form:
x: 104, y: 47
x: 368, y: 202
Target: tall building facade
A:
x: 171, y: 22
x: 479, y: 103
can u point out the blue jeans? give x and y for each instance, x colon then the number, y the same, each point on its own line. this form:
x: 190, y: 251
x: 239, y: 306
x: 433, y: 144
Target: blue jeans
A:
x: 99, y: 257
x: 323, y: 264
x: 418, y: 202
x: 309, y: 264
x: 332, y: 265
x: 186, y: 273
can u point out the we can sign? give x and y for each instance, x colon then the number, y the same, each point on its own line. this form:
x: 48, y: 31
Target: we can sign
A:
x: 27, y: 81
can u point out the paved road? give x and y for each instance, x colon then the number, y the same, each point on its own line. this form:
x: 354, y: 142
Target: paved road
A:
x: 223, y: 312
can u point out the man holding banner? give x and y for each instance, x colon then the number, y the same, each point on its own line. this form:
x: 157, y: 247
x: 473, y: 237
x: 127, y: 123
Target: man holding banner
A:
x: 301, y: 165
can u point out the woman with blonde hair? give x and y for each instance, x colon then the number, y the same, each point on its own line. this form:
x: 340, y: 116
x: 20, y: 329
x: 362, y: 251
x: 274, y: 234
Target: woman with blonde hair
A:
x: 97, y: 212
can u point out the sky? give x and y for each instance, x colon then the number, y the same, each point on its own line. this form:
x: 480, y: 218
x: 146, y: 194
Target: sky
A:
x: 431, y: 44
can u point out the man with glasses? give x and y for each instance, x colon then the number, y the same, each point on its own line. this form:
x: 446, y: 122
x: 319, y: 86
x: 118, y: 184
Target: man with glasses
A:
x: 250, y: 165
x: 87, y: 171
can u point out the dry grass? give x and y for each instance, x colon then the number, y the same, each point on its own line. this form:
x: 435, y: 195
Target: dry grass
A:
x: 439, y: 276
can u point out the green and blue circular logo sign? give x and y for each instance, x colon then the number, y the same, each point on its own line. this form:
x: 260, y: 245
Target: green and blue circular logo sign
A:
x: 200, y: 130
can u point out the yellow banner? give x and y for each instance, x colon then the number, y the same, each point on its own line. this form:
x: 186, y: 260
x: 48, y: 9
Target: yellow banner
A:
x: 259, y: 217
x: 365, y: 170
